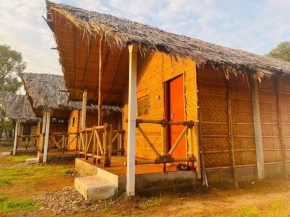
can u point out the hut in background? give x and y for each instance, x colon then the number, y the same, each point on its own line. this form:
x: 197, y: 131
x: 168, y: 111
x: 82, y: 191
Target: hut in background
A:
x: 27, y: 125
x: 62, y: 118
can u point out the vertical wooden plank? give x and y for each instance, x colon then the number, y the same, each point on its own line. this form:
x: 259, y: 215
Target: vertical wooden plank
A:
x: 100, y: 85
x: 16, y: 137
x: 231, y: 136
x: 43, y: 123
x: 130, y: 184
x: 46, y: 136
x: 84, y: 109
x: 257, y: 129
x: 281, y: 128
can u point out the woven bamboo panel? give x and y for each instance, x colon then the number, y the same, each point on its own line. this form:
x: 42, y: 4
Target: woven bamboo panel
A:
x: 245, y: 157
x: 214, y: 118
x: 270, y: 123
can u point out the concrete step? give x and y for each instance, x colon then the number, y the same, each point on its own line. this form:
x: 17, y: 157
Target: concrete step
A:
x: 6, y: 154
x: 32, y: 161
x: 95, y: 187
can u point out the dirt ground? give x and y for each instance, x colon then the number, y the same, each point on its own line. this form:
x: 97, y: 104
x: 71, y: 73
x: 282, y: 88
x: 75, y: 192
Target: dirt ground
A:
x: 21, y: 184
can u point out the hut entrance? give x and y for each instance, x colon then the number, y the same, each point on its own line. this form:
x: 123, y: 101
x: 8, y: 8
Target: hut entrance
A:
x: 174, y: 105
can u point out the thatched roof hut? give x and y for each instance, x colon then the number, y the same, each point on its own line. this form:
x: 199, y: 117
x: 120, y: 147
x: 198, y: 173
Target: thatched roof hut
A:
x: 47, y: 91
x: 17, y: 107
x: 77, y: 32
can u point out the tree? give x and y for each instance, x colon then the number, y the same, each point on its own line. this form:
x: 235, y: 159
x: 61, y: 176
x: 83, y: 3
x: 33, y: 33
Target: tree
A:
x: 11, y: 65
x: 282, y: 51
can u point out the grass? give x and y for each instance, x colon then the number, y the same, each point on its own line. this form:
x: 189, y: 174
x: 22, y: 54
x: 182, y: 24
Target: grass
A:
x: 246, y: 212
x: 11, y: 205
x: 18, y: 159
x: 151, y: 203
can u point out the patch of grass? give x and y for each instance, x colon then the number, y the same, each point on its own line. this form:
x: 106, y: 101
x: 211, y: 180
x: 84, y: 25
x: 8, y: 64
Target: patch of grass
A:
x: 6, y: 181
x: 9, y: 205
x: 151, y: 203
x: 18, y: 159
x: 246, y: 212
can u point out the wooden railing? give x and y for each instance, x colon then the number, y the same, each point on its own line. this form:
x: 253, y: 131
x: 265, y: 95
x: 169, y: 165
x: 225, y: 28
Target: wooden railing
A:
x: 166, y: 157
x: 60, y: 141
x: 27, y: 141
x: 118, y: 136
x: 97, y: 142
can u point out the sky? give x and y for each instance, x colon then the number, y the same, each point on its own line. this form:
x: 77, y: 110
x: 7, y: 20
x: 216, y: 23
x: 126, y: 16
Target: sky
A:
x: 256, y: 26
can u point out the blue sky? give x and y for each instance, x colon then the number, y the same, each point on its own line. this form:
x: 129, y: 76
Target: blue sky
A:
x: 252, y: 25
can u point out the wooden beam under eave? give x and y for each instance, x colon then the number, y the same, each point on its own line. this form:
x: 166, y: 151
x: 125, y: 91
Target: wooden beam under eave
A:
x: 75, y: 54
x: 87, y: 62
x: 100, y: 84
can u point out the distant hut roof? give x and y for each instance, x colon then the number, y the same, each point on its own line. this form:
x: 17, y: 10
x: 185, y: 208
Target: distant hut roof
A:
x: 18, y: 107
x: 48, y: 91
x: 120, y: 32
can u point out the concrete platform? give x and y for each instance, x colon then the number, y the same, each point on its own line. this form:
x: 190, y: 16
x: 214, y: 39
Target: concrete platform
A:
x: 59, y: 156
x: 150, y: 179
x: 6, y: 154
x: 94, y: 187
x: 32, y: 161
x: 23, y: 151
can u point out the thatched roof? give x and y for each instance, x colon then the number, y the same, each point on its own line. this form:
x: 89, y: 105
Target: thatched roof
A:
x: 18, y: 107
x: 48, y: 91
x: 119, y: 33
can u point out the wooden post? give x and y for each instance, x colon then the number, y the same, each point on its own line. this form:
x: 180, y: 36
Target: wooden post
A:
x: 100, y: 85
x: 196, y: 150
x: 47, y: 125
x: 130, y: 184
x: 84, y: 109
x: 16, y: 137
x: 231, y: 140
x: 257, y: 129
x: 163, y: 140
x: 43, y: 123
x: 281, y: 129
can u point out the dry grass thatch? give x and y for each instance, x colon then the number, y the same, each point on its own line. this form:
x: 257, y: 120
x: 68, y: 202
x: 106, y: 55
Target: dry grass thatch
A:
x: 122, y: 32
x: 48, y: 91
x: 18, y: 107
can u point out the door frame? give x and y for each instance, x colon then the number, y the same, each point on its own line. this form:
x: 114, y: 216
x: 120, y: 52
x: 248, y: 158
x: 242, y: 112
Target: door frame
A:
x: 166, y: 93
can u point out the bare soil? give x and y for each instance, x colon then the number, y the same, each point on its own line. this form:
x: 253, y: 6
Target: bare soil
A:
x: 57, y: 196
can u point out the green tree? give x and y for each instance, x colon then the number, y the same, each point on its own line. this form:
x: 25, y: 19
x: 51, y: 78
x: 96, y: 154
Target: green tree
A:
x: 282, y: 51
x: 11, y: 65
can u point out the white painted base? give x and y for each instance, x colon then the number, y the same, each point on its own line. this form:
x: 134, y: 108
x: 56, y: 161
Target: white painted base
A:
x: 94, y: 187
x: 6, y: 154
x: 32, y: 161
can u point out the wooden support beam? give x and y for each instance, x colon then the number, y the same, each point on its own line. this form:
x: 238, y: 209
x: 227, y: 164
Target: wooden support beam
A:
x: 87, y: 62
x: 75, y: 55
x: 43, y: 123
x: 84, y: 109
x: 130, y: 184
x: 46, y: 136
x: 281, y: 128
x: 257, y: 129
x: 231, y: 140
x: 100, y: 85
x: 16, y: 137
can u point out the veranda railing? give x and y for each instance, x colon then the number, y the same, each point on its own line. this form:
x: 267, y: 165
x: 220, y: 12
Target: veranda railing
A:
x: 97, y: 142
x: 27, y: 141
x: 166, y: 157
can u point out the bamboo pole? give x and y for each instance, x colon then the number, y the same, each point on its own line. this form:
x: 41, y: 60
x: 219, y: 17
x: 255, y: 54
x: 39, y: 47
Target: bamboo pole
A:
x: 178, y: 140
x: 163, y: 138
x: 100, y: 85
x: 84, y: 109
x: 148, y: 141
x: 235, y: 177
x: 16, y: 137
x: 281, y: 129
x: 46, y: 136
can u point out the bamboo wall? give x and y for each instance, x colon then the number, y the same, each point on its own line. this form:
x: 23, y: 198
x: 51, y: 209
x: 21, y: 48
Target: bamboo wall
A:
x: 226, y: 120
x: 33, y: 131
x: 153, y: 71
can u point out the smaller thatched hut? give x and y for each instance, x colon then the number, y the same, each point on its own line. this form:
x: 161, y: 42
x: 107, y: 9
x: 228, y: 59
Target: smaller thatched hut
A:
x: 49, y: 98
x: 27, y: 125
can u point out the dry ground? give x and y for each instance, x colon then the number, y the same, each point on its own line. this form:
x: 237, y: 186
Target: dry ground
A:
x: 21, y: 185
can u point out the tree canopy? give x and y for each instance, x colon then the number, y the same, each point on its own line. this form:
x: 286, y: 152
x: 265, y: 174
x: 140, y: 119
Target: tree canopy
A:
x: 282, y: 51
x: 11, y: 65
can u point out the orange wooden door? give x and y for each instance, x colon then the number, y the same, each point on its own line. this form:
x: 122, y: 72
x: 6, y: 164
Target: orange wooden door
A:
x: 176, y: 112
